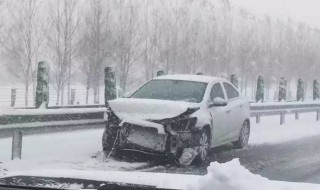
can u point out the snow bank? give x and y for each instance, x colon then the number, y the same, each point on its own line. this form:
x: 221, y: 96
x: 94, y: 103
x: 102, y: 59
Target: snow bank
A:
x: 233, y: 176
x: 227, y: 176
x: 70, y: 153
x: 67, y: 150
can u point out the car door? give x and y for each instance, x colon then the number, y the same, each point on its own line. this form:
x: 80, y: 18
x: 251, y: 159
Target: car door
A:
x: 220, y: 120
x: 234, y: 111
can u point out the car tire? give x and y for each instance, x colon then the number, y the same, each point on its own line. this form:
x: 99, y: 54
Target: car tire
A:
x: 108, y: 140
x: 244, y: 135
x: 201, y: 141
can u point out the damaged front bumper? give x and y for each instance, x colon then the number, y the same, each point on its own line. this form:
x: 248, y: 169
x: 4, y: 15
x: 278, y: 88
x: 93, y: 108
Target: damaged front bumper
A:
x: 165, y: 136
x: 142, y: 135
x: 169, y: 135
x: 152, y: 140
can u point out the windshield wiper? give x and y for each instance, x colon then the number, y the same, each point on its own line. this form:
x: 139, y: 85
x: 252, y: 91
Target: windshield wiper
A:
x: 32, y: 182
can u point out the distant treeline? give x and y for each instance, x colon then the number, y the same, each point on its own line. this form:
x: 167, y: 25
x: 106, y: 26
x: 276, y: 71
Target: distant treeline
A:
x: 139, y: 37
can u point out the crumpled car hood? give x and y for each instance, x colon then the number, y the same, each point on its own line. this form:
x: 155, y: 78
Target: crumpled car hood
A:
x: 148, y: 108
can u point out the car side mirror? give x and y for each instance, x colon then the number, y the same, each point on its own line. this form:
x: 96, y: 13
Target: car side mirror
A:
x: 218, y: 102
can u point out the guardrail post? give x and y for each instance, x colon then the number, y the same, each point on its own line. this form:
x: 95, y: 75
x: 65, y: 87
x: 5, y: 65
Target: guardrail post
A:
x: 316, y: 92
x: 318, y: 115
x: 73, y: 96
x: 13, y: 96
x: 297, y: 115
x: 260, y: 90
x: 258, y: 118
x: 282, y: 118
x: 42, y: 91
x: 300, y: 90
x: 234, y: 80
x: 110, y: 85
x: 16, y: 145
x: 160, y: 73
x: 282, y: 89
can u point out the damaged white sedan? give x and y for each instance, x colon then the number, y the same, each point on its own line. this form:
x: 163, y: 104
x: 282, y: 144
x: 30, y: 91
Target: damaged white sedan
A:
x: 181, y: 116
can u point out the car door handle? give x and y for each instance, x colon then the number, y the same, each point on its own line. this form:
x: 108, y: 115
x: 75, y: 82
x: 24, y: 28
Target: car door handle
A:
x: 228, y: 111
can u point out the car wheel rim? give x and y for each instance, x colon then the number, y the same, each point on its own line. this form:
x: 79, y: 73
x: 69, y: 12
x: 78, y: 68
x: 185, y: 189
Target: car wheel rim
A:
x: 204, y: 144
x: 245, y: 132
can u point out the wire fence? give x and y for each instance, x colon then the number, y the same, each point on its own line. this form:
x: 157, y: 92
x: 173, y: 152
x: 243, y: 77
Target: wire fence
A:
x: 79, y: 96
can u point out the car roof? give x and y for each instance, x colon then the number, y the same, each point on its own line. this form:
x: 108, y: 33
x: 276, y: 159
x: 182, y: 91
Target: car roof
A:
x: 195, y: 78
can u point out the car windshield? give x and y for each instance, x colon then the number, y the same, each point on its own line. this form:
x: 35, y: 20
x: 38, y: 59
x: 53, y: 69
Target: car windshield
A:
x: 175, y: 90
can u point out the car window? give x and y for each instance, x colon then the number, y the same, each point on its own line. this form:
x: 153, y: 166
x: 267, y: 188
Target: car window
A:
x: 231, y: 91
x: 175, y: 90
x: 216, y: 91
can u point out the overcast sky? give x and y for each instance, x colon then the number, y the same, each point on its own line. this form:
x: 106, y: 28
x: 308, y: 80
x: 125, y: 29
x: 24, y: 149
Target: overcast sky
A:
x: 304, y: 10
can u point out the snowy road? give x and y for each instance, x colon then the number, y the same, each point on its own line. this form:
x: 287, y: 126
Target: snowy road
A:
x: 290, y: 152
x: 295, y: 161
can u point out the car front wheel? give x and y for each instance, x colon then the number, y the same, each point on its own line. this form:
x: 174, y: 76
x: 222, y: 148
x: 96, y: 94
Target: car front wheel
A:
x: 202, y: 143
x: 243, y: 140
x: 109, y: 139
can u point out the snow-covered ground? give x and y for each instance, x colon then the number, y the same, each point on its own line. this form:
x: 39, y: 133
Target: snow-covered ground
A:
x: 270, y: 131
x: 233, y: 176
x: 73, y: 151
x: 70, y: 150
x: 228, y: 176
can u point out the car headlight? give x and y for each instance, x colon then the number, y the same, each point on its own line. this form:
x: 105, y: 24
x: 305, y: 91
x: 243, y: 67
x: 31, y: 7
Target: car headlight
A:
x: 182, y: 124
x: 111, y: 117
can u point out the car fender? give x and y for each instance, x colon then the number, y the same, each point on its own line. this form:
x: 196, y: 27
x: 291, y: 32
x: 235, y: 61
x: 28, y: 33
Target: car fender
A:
x: 245, y: 113
x: 204, y: 118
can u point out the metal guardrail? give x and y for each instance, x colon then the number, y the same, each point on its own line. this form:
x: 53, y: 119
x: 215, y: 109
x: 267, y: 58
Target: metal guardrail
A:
x: 257, y: 111
x: 96, y: 117
x: 275, y: 106
x: 33, y: 121
x: 283, y: 109
x: 67, y: 106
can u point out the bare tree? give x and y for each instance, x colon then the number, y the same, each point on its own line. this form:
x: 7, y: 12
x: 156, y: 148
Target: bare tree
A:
x: 61, y: 32
x: 95, y: 45
x: 152, y: 39
x: 167, y: 42
x: 180, y: 36
x: 86, y: 59
x: 128, y: 40
x: 22, y: 43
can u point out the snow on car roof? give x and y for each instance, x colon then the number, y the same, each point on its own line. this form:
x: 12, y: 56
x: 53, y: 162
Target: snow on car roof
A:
x: 196, y: 78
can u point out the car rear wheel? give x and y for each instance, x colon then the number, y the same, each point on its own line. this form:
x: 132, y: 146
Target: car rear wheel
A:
x: 243, y: 140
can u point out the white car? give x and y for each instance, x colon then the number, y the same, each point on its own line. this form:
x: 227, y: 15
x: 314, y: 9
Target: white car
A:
x: 172, y: 113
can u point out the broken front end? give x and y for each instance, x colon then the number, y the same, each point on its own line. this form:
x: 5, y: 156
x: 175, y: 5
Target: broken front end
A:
x: 164, y: 136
